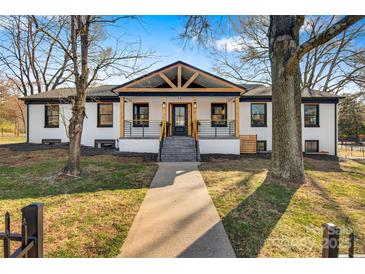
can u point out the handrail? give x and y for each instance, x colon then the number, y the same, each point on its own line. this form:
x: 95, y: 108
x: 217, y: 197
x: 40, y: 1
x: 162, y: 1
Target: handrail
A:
x: 162, y: 130
x: 195, y: 130
x: 162, y: 135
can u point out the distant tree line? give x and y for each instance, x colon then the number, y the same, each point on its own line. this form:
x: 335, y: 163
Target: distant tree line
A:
x: 12, y: 111
x: 351, y: 119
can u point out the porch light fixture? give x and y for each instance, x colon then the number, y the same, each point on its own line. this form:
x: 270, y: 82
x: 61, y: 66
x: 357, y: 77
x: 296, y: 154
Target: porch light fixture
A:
x: 194, y: 105
x: 163, y: 104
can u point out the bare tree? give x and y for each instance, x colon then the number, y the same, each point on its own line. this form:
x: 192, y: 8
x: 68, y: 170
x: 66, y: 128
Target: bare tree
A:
x: 285, y: 55
x: 286, y: 52
x: 91, y: 62
x: 29, y: 59
x: 244, y: 56
x: 331, y: 67
x: 360, y: 79
x: 351, y: 118
x: 11, y: 109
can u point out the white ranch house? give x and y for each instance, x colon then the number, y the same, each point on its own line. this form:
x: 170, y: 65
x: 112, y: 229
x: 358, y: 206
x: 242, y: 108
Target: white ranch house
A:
x: 180, y: 105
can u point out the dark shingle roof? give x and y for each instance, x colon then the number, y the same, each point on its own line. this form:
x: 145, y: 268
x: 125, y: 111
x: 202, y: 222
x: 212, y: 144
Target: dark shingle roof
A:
x: 63, y: 93
x: 106, y: 91
x: 265, y: 91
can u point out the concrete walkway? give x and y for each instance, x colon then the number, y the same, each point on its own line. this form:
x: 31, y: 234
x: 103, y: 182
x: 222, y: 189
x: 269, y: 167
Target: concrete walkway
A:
x: 177, y: 218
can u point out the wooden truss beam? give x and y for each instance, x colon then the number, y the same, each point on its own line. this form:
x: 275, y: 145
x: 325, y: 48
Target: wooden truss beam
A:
x: 179, y: 68
x: 148, y: 77
x: 191, y: 79
x: 179, y: 77
x: 167, y: 80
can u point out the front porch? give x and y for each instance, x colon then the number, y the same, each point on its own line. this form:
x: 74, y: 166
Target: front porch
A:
x: 179, y: 100
x: 188, y: 116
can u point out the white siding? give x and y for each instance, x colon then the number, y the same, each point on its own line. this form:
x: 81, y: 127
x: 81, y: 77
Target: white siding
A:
x: 155, y: 105
x: 37, y: 131
x: 139, y: 145
x: 325, y: 133
x: 219, y: 146
x: 263, y: 133
x: 92, y: 131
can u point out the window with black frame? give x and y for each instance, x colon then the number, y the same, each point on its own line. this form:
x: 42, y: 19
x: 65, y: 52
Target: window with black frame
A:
x: 258, y: 115
x: 52, y: 113
x: 105, y: 115
x: 219, y: 114
x: 261, y: 146
x: 311, y: 115
x: 311, y: 146
x: 140, y: 115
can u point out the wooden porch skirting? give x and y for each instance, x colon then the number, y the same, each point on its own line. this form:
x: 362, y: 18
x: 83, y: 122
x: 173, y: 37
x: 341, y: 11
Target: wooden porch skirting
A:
x: 248, y: 144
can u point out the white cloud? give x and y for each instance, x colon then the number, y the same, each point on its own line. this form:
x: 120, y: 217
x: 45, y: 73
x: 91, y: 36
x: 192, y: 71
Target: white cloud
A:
x: 238, y: 43
x: 229, y: 43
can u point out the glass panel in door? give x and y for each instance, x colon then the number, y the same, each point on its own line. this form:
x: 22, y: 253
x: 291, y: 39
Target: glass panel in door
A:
x: 180, y: 116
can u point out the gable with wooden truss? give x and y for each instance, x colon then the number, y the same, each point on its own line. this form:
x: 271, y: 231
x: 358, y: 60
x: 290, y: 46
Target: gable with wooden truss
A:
x: 180, y: 78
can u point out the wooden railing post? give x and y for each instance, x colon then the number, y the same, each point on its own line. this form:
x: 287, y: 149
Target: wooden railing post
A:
x: 195, y: 121
x: 122, y: 111
x: 330, y: 242
x: 32, y: 216
x: 237, y: 117
x: 164, y: 115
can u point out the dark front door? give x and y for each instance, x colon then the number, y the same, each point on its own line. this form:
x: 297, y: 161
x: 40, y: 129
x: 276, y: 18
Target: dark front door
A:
x: 179, y: 120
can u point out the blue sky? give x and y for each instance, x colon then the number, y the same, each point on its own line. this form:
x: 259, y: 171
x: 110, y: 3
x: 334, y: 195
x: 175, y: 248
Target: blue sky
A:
x: 160, y: 33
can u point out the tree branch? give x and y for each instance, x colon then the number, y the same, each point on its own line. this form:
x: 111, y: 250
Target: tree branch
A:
x: 327, y: 35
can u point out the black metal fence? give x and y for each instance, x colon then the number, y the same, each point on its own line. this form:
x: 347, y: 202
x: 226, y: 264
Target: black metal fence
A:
x: 331, y: 243
x: 31, y: 236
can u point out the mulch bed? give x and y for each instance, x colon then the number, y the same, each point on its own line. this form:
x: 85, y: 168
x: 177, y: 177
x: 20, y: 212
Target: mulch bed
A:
x: 212, y: 157
x: 85, y: 150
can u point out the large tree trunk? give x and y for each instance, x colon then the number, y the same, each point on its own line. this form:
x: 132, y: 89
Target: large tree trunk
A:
x: 287, y: 155
x: 79, y: 27
x: 75, y: 132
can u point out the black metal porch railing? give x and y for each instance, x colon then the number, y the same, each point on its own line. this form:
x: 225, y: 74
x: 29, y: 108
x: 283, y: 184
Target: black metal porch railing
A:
x: 142, y: 128
x: 31, y: 236
x: 209, y: 128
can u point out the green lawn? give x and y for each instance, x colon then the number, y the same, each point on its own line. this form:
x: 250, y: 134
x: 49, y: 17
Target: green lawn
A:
x: 83, y: 217
x: 272, y: 219
x: 12, y: 139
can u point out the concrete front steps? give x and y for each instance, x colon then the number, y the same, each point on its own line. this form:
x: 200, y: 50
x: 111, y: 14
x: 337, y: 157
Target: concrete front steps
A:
x: 178, y: 149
